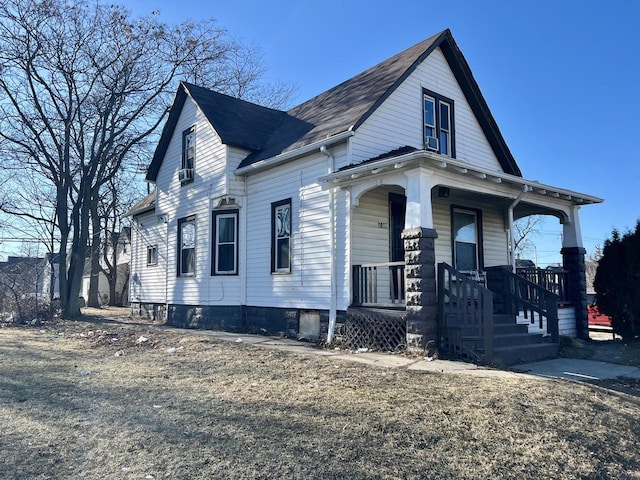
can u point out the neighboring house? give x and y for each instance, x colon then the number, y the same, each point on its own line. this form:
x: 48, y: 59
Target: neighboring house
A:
x: 122, y: 242
x: 26, y: 284
x: 351, y: 204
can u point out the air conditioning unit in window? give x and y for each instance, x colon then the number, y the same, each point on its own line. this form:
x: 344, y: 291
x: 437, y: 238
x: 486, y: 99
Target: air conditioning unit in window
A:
x: 185, y: 175
x: 431, y: 143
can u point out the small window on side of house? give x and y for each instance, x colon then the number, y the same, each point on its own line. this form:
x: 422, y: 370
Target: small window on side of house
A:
x: 152, y: 255
x: 188, y: 161
x: 187, y: 246
x: 281, y: 236
x: 225, y: 243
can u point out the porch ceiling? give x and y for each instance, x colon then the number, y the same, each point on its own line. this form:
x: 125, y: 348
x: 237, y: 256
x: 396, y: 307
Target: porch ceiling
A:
x: 356, y: 173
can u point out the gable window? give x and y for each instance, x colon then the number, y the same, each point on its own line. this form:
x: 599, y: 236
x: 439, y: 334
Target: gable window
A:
x: 188, y: 155
x: 225, y: 243
x: 187, y: 246
x: 467, y: 239
x: 152, y: 255
x: 438, y: 123
x: 281, y: 236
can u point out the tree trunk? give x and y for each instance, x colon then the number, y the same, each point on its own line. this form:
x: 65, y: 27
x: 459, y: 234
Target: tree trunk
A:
x: 93, y: 299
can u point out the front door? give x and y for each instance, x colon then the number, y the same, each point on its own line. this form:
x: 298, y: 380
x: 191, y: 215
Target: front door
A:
x: 397, y: 207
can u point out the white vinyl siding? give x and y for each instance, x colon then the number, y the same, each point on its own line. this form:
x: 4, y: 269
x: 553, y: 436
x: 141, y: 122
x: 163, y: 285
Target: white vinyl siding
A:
x: 399, y: 120
x: 148, y: 282
x: 210, y: 170
x: 308, y: 284
x: 370, y: 242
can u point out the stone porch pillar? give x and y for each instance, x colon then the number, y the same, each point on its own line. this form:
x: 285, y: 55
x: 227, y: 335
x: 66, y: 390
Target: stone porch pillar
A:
x: 420, y: 288
x: 420, y: 262
x: 573, y: 262
x: 573, y: 256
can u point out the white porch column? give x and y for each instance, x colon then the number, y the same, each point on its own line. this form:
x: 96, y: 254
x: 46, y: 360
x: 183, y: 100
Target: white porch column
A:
x: 419, y: 212
x: 571, y: 231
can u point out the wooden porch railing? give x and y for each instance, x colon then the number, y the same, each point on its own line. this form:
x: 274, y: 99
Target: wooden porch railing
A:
x: 465, y: 314
x: 378, y: 284
x: 517, y: 294
x: 553, y: 280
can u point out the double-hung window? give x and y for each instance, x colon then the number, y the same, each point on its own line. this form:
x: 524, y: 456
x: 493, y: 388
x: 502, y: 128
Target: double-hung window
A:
x: 187, y: 246
x: 152, y: 255
x: 225, y: 242
x: 281, y: 236
x: 188, y: 155
x: 466, y: 235
x: 438, y: 123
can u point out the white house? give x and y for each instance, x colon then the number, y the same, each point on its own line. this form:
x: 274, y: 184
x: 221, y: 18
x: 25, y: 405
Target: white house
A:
x: 118, y: 253
x: 390, y: 195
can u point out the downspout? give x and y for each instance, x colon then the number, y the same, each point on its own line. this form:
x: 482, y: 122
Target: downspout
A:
x: 332, y: 248
x: 512, y: 242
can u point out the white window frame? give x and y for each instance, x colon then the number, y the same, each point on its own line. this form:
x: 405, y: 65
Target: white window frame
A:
x: 152, y: 255
x: 217, y: 216
x: 182, y: 224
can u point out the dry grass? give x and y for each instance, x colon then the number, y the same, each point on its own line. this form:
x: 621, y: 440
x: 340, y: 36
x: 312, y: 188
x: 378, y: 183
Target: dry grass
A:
x: 71, y: 409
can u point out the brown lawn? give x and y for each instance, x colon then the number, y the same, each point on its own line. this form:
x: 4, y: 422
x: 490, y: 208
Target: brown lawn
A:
x: 86, y: 400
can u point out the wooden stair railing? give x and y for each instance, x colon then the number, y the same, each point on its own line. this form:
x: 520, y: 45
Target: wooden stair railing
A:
x: 465, y: 310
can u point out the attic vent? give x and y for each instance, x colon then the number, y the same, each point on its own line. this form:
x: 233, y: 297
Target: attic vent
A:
x: 185, y: 175
x: 431, y: 143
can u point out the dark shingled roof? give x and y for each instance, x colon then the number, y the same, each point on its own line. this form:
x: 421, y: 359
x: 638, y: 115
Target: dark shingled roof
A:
x: 147, y: 204
x: 266, y: 132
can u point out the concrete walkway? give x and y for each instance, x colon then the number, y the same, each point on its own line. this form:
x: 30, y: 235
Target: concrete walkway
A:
x: 574, y: 369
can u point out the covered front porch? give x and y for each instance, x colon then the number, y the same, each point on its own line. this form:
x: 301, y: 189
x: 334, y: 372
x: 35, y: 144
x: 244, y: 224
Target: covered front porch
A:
x: 432, y: 238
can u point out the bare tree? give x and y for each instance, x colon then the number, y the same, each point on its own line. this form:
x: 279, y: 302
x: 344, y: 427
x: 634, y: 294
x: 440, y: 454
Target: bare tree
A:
x: 523, y: 231
x: 83, y: 89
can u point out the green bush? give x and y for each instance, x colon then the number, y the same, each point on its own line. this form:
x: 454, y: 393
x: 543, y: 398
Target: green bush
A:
x: 617, y: 282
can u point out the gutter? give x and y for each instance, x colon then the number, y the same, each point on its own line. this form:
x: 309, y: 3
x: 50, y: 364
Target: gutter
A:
x: 283, y: 157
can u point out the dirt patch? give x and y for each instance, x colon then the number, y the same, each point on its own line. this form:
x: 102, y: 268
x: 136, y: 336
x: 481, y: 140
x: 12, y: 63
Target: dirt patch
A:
x: 125, y: 400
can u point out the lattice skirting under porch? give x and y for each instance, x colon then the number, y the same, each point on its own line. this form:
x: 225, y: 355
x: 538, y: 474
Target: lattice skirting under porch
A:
x: 375, y: 330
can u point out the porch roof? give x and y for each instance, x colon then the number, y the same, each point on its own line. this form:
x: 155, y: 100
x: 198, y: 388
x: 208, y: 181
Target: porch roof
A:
x: 406, y: 157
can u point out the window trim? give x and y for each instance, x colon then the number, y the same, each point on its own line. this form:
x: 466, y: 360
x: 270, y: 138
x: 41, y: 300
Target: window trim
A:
x: 181, y: 221
x: 152, y: 262
x: 274, y: 238
x: 479, y: 238
x: 438, y: 101
x: 215, y: 215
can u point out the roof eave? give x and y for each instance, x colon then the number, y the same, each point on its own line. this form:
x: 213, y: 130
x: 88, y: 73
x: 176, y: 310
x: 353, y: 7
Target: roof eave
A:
x: 293, y: 154
x: 347, y: 176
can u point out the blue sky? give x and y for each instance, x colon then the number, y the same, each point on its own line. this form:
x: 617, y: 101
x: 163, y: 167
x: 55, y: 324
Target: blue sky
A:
x: 562, y: 78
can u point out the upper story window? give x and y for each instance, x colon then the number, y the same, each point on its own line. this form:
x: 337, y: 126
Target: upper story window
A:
x: 281, y: 236
x: 188, y: 162
x: 187, y: 246
x: 438, y: 123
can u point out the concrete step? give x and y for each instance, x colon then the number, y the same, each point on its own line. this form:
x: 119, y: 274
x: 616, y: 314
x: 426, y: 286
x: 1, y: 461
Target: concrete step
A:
x: 511, y: 355
x: 517, y: 339
x: 503, y: 319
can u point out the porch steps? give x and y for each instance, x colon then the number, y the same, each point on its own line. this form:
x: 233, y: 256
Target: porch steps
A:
x: 514, y: 354
x: 512, y: 342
